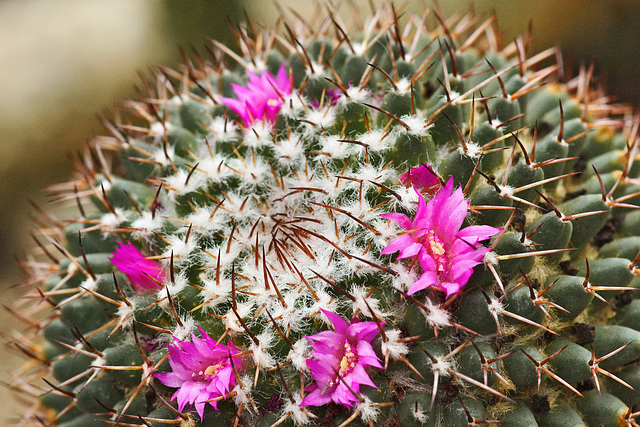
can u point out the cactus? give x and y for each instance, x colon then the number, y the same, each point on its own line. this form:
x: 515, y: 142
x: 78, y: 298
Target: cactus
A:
x: 385, y: 225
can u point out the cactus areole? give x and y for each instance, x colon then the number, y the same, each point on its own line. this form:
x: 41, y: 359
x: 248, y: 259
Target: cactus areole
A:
x: 403, y: 223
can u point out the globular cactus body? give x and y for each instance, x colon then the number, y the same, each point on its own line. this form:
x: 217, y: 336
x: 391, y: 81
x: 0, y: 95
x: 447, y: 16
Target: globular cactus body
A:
x: 380, y: 226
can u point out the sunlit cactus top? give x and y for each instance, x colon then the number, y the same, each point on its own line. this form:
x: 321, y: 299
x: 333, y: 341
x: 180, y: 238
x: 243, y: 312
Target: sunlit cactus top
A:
x: 401, y: 221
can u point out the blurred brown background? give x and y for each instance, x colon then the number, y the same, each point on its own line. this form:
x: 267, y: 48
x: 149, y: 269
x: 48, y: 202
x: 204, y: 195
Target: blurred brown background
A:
x: 63, y: 62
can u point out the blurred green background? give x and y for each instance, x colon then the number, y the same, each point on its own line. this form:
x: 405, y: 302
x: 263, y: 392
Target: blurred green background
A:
x: 65, y: 61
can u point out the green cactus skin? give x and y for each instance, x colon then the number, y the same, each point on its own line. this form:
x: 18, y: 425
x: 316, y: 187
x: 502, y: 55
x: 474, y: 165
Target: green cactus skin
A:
x: 271, y: 222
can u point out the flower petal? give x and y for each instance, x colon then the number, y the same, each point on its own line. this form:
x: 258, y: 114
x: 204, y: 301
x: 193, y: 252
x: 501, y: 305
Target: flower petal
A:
x: 428, y: 278
x: 338, y: 322
x: 398, y: 218
x: 397, y: 244
x: 262, y: 96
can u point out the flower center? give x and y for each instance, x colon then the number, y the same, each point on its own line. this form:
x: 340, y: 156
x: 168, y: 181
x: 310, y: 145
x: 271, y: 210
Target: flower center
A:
x: 435, y: 248
x: 209, y: 373
x: 348, y: 361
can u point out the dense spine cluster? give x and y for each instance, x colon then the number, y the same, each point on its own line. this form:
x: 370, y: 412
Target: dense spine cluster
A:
x: 398, y: 223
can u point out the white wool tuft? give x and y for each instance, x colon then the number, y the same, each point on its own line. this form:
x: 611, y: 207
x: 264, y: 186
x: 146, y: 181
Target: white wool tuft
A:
x: 203, y: 223
x: 375, y: 141
x: 98, y: 362
x: 178, y: 182
x: 507, y: 190
x: 184, y: 332
x: 441, y: 365
x: 231, y: 321
x: 436, y: 316
x: 214, y: 169
x: 157, y: 129
x: 356, y: 94
x: 392, y: 347
x: 358, y: 48
x: 473, y: 150
x: 332, y: 186
x: 299, y: 355
x: 176, y: 100
x: 226, y: 258
x: 214, y: 293
x: 495, y: 306
x: 71, y: 270
x: 335, y: 148
x: 174, y: 288
x: 262, y: 296
x: 297, y: 412
x: 490, y: 258
x: 322, y: 119
x: 417, y: 125
x: 293, y: 105
x: 260, y: 352
x: 325, y: 302
x: 369, y: 172
x: 242, y: 393
x: 404, y: 86
x: 290, y: 151
x: 254, y: 171
x: 233, y: 203
x: 223, y: 129
x: 316, y: 71
x: 126, y: 314
x: 360, y: 294
x: 258, y: 134
x: 160, y: 157
x: 103, y: 183
x: 387, y: 232
x: 181, y: 250
x: 420, y: 415
x: 89, y: 284
x: 112, y: 220
x: 405, y: 277
x: 257, y: 66
x: 530, y: 244
x: 409, y: 198
x: 147, y: 224
x: 368, y: 411
x: 290, y: 318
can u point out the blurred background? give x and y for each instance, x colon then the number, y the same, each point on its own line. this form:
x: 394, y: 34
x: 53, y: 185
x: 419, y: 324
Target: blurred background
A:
x: 64, y: 62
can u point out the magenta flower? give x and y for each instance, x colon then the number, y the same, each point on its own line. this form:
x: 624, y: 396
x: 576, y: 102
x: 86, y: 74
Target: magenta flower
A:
x: 262, y: 98
x: 339, y: 359
x: 446, y: 253
x: 144, y: 274
x: 202, y: 370
x: 423, y: 178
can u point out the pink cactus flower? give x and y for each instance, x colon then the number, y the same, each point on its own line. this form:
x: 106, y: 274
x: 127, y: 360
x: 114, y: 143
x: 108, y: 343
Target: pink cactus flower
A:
x: 262, y: 98
x: 423, y: 178
x: 339, y: 359
x: 447, y: 254
x: 202, y: 370
x: 144, y: 274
